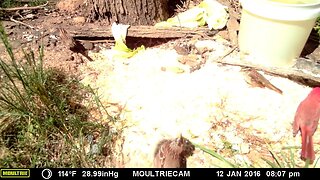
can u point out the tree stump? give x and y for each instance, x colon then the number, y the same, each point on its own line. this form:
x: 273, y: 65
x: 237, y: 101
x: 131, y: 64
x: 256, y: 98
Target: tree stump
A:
x: 133, y: 12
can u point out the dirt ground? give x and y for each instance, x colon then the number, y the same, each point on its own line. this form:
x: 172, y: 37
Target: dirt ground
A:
x: 211, y: 105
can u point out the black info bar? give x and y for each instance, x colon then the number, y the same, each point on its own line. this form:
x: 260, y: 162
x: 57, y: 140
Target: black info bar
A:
x: 152, y: 173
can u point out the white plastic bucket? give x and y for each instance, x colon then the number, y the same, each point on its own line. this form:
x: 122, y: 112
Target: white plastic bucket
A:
x: 274, y: 32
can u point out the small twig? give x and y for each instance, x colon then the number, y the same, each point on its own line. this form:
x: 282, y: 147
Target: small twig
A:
x: 24, y: 1
x: 227, y: 53
x: 19, y: 22
x: 25, y: 8
x: 98, y: 41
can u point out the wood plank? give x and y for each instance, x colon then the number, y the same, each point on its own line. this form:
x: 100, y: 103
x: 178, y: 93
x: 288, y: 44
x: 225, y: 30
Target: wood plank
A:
x: 305, y: 71
x: 142, y: 32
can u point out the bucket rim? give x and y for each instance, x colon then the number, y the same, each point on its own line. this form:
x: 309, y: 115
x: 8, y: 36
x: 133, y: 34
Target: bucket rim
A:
x: 296, y: 5
x: 288, y: 5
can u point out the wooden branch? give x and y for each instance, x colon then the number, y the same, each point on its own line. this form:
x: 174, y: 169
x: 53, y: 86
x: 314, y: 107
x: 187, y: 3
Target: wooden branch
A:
x: 141, y: 32
x: 19, y: 22
x: 304, y: 71
x: 25, y: 8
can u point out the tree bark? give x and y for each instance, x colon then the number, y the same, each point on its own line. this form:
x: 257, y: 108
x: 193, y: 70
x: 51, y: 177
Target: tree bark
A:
x: 133, y: 12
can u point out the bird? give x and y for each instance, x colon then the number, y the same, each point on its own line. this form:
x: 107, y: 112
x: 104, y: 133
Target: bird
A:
x: 173, y: 153
x: 73, y: 44
x: 255, y: 79
x: 306, y: 121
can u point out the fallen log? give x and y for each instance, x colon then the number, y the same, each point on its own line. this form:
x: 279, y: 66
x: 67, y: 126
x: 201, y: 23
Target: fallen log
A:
x: 305, y: 71
x: 141, y: 32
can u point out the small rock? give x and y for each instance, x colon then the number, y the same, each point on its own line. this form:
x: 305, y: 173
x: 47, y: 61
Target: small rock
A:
x: 182, y: 50
x: 30, y: 16
x: 88, y: 45
x: 206, y: 45
x: 94, y: 149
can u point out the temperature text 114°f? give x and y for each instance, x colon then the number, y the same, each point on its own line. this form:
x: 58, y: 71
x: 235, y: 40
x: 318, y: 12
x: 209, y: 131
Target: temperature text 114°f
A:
x: 67, y: 173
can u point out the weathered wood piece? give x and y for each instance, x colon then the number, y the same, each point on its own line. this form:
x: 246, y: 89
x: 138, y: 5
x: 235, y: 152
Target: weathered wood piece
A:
x: 305, y: 71
x: 142, y: 32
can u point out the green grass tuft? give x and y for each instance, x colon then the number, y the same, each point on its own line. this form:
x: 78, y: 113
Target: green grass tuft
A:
x: 43, y: 120
x: 317, y: 26
x: 282, y: 161
x: 217, y: 156
x: 13, y: 3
